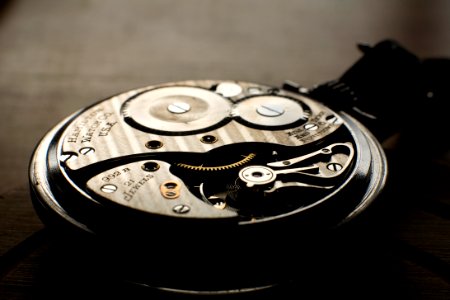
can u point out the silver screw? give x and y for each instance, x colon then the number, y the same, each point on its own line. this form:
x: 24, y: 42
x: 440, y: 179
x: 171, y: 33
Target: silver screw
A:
x: 254, y: 90
x: 109, y: 188
x: 179, y: 107
x: 311, y: 127
x: 335, y: 167
x: 270, y: 110
x: 86, y: 150
x: 181, y: 209
x: 229, y: 89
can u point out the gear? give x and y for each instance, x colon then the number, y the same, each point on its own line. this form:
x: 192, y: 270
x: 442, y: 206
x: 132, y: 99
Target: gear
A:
x: 243, y: 161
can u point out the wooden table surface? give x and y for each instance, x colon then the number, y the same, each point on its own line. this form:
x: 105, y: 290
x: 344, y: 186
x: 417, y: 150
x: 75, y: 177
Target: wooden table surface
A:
x: 58, y: 56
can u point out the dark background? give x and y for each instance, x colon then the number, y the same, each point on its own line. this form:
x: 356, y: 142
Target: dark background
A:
x: 58, y: 56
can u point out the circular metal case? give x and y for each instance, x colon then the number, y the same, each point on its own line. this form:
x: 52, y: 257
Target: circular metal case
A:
x: 210, y: 170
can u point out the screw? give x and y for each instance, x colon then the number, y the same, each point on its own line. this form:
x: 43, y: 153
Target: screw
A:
x: 254, y: 90
x: 109, y: 188
x: 335, y: 167
x: 179, y: 107
x: 181, y: 209
x: 86, y: 150
x: 229, y: 89
x: 311, y: 127
x: 270, y: 110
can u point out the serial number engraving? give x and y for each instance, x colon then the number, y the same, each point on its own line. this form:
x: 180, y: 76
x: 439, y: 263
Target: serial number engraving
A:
x: 115, y: 174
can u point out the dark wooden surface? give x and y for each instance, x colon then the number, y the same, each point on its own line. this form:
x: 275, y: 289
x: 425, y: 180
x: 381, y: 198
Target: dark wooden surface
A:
x: 58, y: 56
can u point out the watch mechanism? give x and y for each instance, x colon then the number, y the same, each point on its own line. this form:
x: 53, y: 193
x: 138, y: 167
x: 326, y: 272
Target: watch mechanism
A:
x: 206, y: 150
x: 233, y: 165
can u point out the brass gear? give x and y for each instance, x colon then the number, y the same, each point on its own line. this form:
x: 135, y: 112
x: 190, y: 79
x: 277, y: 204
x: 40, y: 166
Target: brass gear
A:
x: 243, y: 161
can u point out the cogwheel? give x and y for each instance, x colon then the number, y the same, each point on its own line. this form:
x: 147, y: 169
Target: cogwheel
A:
x: 243, y: 161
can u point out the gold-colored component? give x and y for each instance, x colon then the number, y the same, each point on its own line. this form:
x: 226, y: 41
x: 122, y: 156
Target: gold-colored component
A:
x: 243, y: 161
x: 170, y: 189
